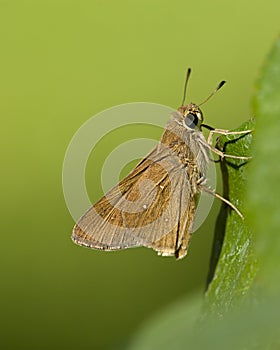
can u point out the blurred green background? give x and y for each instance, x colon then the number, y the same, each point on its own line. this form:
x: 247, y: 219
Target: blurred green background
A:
x: 61, y: 63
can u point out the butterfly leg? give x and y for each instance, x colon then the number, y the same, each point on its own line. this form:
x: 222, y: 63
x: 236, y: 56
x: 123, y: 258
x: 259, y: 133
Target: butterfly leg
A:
x: 202, y: 180
x: 224, y: 155
x: 225, y: 132
x: 213, y: 193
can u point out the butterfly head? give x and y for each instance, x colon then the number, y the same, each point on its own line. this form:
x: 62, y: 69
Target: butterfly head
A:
x: 192, y: 116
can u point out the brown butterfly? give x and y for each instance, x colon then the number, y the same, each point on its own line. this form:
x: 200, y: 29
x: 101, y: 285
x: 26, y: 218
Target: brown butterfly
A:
x: 155, y: 204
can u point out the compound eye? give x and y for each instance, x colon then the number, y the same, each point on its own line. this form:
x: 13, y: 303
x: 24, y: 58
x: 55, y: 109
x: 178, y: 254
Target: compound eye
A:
x: 191, y: 120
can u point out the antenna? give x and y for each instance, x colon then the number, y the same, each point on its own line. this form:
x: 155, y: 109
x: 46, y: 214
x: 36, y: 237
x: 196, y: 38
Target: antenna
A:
x: 185, y: 87
x: 213, y: 93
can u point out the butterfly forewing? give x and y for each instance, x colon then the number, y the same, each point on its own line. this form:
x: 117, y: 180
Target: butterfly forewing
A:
x: 153, y: 206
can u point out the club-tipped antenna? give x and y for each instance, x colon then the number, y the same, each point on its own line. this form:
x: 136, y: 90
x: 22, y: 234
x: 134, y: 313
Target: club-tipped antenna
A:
x: 186, y: 83
x: 213, y: 93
